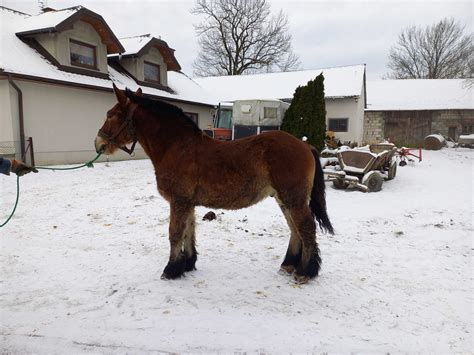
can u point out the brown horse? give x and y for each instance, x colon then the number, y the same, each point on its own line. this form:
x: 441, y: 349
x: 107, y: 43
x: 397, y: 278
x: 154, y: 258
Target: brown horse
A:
x: 193, y: 169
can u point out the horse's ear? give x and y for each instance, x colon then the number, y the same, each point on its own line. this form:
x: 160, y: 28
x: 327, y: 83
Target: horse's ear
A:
x: 139, y: 92
x: 121, y: 98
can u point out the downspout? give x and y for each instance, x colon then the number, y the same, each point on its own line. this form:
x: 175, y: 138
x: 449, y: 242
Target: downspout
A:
x: 20, y: 114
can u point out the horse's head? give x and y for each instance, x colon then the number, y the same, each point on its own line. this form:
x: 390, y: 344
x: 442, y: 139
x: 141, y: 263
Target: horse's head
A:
x: 119, y: 128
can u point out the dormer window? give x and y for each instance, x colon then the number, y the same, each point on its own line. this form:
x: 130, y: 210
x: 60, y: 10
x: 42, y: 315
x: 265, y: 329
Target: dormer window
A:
x: 152, y: 72
x: 83, y: 54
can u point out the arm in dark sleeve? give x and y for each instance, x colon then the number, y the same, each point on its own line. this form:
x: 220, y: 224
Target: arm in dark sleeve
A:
x: 5, y: 166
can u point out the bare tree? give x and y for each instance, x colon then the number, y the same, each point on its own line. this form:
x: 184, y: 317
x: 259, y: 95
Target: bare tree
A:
x: 439, y: 51
x: 241, y: 36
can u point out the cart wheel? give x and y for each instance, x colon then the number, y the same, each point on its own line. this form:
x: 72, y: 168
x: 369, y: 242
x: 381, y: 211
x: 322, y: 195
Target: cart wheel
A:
x: 392, y: 171
x: 339, y: 184
x: 373, y: 180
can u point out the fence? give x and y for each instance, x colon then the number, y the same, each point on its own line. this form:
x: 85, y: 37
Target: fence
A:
x: 12, y: 149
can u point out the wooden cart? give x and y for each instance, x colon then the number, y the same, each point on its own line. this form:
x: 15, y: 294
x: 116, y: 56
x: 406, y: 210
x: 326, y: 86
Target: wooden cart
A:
x: 364, y: 170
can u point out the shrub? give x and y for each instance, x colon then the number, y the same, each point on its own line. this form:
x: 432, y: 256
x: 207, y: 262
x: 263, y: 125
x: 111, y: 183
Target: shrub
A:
x: 306, y: 115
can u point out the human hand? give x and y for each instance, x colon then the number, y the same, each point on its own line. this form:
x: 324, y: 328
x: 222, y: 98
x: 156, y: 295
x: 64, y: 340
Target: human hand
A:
x: 21, y: 168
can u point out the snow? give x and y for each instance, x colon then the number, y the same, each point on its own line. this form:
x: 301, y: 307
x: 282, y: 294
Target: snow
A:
x: 81, y: 262
x: 46, y: 20
x: 18, y: 58
x: 419, y: 94
x: 436, y: 136
x: 133, y: 45
x: 338, y: 82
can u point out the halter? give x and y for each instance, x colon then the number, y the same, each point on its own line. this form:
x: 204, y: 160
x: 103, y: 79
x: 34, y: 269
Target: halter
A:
x: 128, y: 123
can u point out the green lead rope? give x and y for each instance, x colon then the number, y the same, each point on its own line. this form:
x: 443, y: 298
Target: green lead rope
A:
x: 16, y: 202
x: 89, y: 164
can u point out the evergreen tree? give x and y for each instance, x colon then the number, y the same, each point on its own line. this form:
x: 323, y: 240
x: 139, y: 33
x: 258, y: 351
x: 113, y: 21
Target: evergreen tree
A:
x: 306, y: 115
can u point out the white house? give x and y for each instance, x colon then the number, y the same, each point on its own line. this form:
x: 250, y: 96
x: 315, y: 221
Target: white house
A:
x: 56, y: 74
x: 344, y: 92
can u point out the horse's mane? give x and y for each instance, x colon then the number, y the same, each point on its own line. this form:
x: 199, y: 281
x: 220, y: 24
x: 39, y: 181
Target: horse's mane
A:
x: 163, y: 109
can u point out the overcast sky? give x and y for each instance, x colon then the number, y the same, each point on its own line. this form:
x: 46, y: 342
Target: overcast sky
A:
x: 325, y: 33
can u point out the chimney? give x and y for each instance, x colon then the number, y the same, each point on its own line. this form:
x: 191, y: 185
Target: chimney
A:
x: 43, y: 5
x: 47, y: 9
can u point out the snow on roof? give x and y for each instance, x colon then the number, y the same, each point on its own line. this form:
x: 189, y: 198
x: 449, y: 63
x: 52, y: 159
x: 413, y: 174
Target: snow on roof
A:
x: 418, y: 94
x: 338, y: 82
x: 133, y: 45
x: 16, y: 57
x: 46, y: 20
x: 185, y: 88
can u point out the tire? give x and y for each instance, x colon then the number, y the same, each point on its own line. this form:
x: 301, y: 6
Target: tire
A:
x: 392, y: 171
x: 373, y: 180
x: 339, y: 184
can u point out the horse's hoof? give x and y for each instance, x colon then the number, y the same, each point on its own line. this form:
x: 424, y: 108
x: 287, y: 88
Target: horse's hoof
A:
x: 301, y: 280
x: 287, y: 269
x: 164, y: 276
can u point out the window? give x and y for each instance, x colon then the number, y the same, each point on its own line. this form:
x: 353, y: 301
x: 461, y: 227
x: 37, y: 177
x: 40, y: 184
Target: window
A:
x: 270, y: 112
x: 224, y: 120
x: 193, y: 116
x: 152, y: 72
x: 338, y: 124
x: 83, y: 54
x: 246, y: 108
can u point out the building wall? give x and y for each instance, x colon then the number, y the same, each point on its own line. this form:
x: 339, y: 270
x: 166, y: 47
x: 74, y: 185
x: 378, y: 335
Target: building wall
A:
x: 347, y: 108
x: 9, y: 123
x: 360, y: 116
x: 460, y: 122
x: 373, y: 127
x: 154, y: 56
x: 58, y: 44
x: 410, y: 127
x: 131, y: 65
x: 6, y: 123
x: 135, y: 66
x: 64, y: 121
x: 204, y: 113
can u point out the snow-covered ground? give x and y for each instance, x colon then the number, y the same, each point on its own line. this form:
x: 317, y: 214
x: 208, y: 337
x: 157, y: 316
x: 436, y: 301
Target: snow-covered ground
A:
x: 82, y: 258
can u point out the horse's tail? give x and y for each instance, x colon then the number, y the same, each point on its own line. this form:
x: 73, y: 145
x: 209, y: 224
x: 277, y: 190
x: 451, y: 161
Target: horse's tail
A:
x: 317, y: 203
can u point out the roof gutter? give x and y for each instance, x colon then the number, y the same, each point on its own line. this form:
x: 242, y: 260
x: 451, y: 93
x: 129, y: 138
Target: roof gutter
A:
x: 20, y: 116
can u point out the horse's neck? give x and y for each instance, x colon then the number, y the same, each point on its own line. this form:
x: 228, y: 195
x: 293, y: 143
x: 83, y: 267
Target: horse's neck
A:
x: 156, y: 141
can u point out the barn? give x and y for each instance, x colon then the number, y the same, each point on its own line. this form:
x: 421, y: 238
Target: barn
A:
x: 56, y: 75
x: 406, y: 111
x: 344, y: 93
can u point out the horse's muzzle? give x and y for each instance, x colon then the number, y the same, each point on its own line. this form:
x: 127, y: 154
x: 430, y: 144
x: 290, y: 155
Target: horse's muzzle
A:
x: 100, y: 145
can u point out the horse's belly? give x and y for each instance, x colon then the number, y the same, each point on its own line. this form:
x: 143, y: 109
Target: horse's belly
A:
x: 234, y: 199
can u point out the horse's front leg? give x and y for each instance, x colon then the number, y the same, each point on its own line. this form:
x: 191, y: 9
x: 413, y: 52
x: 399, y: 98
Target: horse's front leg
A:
x: 179, y: 216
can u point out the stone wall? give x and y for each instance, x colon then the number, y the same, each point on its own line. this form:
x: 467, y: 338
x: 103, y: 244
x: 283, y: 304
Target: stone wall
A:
x: 373, y: 127
x: 449, y: 123
x: 453, y: 122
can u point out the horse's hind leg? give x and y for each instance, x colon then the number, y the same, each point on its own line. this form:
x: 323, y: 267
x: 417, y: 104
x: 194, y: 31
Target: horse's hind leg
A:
x: 180, y: 214
x: 310, y: 262
x: 293, y: 254
x: 190, y: 252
